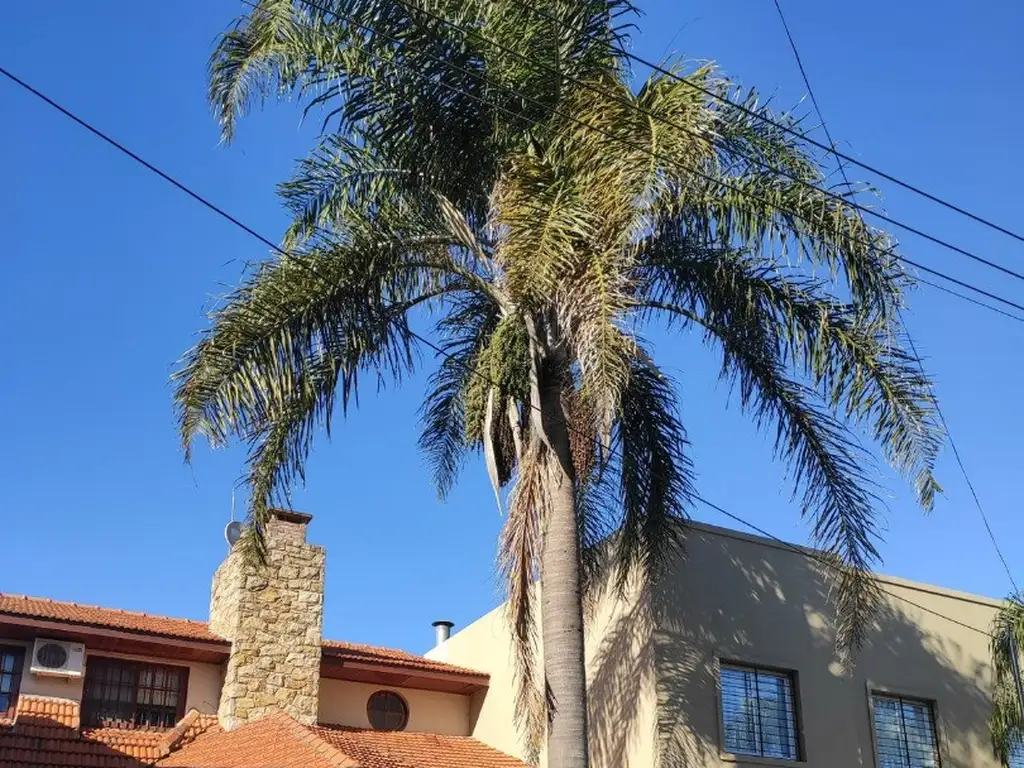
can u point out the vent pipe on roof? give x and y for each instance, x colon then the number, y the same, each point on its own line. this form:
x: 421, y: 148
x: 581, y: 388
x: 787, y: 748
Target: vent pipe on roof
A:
x: 442, y: 631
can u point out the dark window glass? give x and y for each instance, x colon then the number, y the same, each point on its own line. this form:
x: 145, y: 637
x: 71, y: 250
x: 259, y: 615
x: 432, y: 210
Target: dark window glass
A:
x: 131, y: 694
x: 904, y: 733
x: 11, y: 660
x: 387, y: 711
x: 1017, y: 755
x: 759, y: 712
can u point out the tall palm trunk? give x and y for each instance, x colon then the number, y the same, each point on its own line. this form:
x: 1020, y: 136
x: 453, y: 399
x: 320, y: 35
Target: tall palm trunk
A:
x: 562, y: 620
x: 561, y: 587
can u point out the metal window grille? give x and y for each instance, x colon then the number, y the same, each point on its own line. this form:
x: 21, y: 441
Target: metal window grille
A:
x: 759, y: 712
x: 905, y: 732
x: 128, y: 694
x: 387, y: 711
x: 1017, y: 755
x: 11, y: 660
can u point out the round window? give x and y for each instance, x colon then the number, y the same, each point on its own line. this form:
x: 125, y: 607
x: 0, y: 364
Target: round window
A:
x: 387, y: 711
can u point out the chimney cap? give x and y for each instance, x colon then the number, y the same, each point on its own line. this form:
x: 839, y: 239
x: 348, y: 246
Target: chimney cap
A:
x: 291, y: 516
x: 443, y: 623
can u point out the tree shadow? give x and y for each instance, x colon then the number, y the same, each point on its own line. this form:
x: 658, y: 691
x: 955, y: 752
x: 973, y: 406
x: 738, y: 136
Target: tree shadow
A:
x: 654, y: 671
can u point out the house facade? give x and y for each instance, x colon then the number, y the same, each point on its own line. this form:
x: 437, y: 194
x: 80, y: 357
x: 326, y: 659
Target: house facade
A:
x: 257, y: 686
x: 729, y: 661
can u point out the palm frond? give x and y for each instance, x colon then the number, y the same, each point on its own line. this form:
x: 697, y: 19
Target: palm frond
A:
x: 519, y: 557
x: 261, y: 55
x: 827, y: 464
x: 338, y: 182
x: 1006, y: 722
x: 543, y: 221
x: 279, y: 447
x: 654, y: 476
x: 762, y: 209
x: 466, y: 333
x: 853, y: 359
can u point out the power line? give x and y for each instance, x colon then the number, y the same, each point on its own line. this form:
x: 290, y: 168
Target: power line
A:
x: 373, y: 30
x: 910, y: 339
x: 965, y: 297
x: 810, y: 90
x: 962, y: 284
x: 787, y: 129
x: 823, y: 561
x: 552, y: 70
x: 967, y: 479
x: 180, y: 186
x: 266, y: 241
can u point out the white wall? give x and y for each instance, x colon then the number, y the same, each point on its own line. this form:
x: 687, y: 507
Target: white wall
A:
x: 343, y: 702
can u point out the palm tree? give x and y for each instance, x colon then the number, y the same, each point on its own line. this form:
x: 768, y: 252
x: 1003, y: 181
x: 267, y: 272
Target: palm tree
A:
x: 488, y: 161
x: 1006, y: 723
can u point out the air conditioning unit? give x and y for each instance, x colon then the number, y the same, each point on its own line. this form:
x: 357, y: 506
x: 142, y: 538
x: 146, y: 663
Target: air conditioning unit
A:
x: 57, y: 658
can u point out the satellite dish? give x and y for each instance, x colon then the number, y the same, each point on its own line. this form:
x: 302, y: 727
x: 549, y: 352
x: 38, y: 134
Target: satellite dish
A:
x: 232, y: 532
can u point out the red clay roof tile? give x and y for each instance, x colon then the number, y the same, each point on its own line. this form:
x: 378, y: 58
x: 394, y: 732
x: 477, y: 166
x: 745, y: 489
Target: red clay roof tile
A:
x: 372, y: 654
x: 110, y: 618
x: 45, y: 733
x: 187, y: 629
x: 402, y: 749
x: 280, y: 742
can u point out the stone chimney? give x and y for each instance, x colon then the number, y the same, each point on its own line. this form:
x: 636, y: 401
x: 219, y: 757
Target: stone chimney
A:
x: 273, y: 616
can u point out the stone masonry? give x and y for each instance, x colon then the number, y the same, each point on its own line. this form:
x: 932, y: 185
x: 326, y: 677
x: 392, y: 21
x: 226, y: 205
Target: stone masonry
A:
x: 273, y: 616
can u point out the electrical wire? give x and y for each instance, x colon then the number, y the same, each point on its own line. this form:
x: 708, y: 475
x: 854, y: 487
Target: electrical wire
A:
x: 804, y: 552
x: 910, y: 340
x: 651, y: 115
x: 972, y: 300
x: 619, y: 50
x: 372, y: 30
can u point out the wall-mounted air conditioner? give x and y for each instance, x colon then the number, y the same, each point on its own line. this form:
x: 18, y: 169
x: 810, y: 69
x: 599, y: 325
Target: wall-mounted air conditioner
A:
x: 58, y: 658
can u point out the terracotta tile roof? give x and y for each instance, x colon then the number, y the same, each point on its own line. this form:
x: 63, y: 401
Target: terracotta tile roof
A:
x: 186, y: 629
x: 45, y: 732
x: 110, y: 618
x: 280, y: 742
x: 46, y: 711
x: 276, y: 741
x: 372, y: 654
x: 394, y: 749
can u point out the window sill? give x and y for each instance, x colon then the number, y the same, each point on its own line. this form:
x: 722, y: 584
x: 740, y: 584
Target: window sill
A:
x: 730, y: 757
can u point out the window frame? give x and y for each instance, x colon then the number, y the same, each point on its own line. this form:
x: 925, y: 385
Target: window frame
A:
x: 18, y: 652
x: 88, y: 718
x: 755, y: 665
x: 405, y: 709
x: 906, y: 693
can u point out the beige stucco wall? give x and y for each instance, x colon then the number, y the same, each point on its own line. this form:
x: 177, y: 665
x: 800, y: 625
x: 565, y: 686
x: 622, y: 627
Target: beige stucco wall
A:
x: 749, y: 600
x: 343, y: 702
x: 204, y: 680
x: 621, y: 675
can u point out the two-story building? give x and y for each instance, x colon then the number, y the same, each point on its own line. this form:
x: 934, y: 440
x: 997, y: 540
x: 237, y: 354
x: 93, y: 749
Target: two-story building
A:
x: 728, y: 661
x: 255, y: 687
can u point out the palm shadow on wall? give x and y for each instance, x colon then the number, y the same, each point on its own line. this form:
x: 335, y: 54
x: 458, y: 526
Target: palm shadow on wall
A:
x: 747, y: 602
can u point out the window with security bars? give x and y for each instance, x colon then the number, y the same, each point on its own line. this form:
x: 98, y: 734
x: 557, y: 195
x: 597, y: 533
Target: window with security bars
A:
x: 759, y: 713
x: 1017, y: 755
x: 130, y: 694
x: 905, y: 732
x: 11, y: 660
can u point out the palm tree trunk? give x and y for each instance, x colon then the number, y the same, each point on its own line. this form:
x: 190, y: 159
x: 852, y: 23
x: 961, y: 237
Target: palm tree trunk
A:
x: 562, y: 629
x: 561, y: 597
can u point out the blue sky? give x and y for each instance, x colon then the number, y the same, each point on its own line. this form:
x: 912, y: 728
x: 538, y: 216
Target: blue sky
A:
x: 107, y: 271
